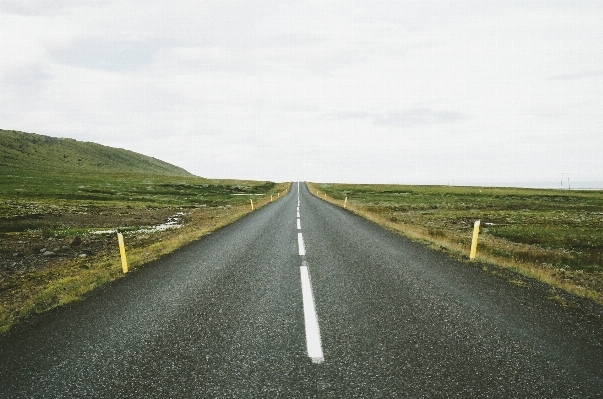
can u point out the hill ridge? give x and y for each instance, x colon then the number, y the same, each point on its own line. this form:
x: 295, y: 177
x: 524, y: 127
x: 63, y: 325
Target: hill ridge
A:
x: 20, y: 151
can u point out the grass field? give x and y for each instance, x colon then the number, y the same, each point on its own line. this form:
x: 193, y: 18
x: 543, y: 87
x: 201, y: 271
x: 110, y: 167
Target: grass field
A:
x: 49, y: 211
x: 21, y: 151
x: 553, y: 235
x: 62, y: 201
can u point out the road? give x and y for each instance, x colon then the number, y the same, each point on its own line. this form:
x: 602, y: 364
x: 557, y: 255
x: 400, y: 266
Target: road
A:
x: 327, y: 305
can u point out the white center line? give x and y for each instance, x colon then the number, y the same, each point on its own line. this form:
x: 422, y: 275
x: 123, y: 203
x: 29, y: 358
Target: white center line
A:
x: 300, y: 242
x: 312, y: 330
x: 313, y: 342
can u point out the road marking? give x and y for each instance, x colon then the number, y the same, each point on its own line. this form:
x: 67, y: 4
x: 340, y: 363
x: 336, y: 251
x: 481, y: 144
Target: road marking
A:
x: 313, y: 343
x: 300, y: 242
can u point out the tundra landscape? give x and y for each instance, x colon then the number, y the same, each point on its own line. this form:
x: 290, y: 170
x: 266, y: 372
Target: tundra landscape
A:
x: 62, y: 202
x: 213, y: 304
x: 275, y: 199
x: 554, y: 236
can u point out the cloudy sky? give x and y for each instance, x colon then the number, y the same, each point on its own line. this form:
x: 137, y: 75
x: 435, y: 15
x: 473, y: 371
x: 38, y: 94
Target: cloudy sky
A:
x: 334, y: 91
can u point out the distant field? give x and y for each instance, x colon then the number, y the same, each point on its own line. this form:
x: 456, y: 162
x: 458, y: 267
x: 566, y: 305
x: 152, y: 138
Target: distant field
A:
x: 125, y: 189
x: 553, y: 235
x: 39, y: 211
x: 62, y: 201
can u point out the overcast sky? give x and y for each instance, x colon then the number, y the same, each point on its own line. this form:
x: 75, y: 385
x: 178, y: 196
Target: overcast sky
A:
x: 330, y: 91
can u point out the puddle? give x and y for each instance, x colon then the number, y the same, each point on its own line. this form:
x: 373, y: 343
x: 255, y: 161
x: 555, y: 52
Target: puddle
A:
x: 173, y: 222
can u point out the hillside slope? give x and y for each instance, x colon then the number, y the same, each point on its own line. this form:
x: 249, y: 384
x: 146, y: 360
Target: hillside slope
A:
x: 21, y: 152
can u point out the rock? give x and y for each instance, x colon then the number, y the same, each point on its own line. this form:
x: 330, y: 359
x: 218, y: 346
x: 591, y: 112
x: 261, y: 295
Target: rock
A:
x: 18, y: 255
x: 43, y: 250
x: 65, y: 247
x: 82, y: 255
x: 48, y: 253
x: 77, y: 241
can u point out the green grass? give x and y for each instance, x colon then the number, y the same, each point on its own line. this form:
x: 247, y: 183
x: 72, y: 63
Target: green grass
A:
x: 128, y: 189
x: 41, y: 175
x: 553, y: 232
x: 21, y: 151
x: 52, y: 190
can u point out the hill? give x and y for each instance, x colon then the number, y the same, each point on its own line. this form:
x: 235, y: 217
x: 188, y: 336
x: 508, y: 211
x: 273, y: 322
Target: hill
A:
x: 20, y: 152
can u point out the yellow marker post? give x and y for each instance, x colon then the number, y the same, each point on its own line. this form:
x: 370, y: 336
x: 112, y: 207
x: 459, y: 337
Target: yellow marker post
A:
x: 122, y: 251
x: 270, y: 197
x: 278, y: 195
x: 345, y: 203
x: 251, y: 204
x: 474, y: 241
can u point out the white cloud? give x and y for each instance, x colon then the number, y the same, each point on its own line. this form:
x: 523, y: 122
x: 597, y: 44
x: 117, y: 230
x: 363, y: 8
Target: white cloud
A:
x: 408, y: 117
x: 351, y: 91
x: 598, y: 74
x: 41, y: 7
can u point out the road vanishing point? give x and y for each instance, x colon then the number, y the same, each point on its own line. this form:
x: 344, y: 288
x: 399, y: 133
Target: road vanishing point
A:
x: 302, y: 299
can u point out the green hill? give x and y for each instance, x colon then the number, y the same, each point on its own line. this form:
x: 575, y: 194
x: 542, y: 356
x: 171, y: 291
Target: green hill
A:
x: 21, y: 152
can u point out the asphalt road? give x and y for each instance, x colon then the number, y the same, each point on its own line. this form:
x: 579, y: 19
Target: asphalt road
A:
x: 379, y: 316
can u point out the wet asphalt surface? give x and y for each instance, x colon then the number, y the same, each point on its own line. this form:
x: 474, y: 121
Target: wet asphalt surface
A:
x: 223, y: 317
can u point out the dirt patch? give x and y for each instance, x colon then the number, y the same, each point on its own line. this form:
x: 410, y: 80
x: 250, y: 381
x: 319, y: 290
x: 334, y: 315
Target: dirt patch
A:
x: 72, y: 235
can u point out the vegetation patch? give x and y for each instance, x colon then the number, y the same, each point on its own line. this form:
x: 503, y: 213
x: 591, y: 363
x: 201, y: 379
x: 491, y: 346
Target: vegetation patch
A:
x: 555, y: 236
x: 62, y: 202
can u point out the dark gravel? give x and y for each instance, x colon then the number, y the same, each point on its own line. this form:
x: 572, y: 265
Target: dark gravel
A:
x: 223, y: 317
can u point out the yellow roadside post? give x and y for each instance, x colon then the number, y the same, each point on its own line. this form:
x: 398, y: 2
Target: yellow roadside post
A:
x: 251, y: 204
x: 122, y: 251
x: 474, y: 241
x: 278, y: 195
x: 270, y: 197
x: 345, y: 203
